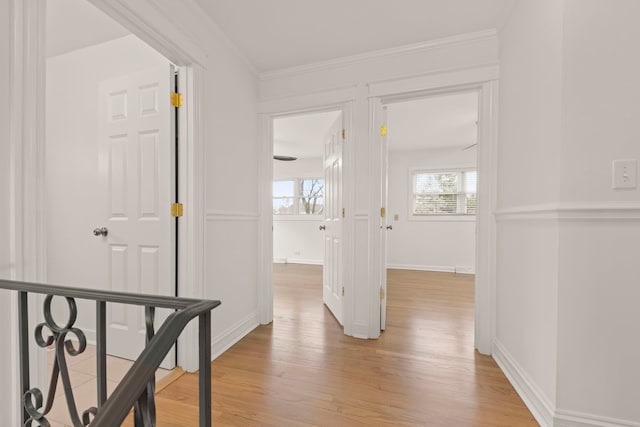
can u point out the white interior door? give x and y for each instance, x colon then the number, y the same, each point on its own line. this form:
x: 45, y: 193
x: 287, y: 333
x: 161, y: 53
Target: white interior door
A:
x: 136, y: 151
x: 332, y: 271
x: 385, y: 225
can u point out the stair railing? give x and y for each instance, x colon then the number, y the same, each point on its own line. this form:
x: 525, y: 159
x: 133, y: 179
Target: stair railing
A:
x: 137, y: 388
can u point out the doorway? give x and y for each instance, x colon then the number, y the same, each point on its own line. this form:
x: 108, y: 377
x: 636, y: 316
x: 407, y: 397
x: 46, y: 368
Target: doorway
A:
x: 307, y: 197
x: 111, y: 171
x: 429, y: 187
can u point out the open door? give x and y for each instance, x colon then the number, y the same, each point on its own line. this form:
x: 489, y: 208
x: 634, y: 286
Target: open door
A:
x: 138, y: 232
x: 333, y: 289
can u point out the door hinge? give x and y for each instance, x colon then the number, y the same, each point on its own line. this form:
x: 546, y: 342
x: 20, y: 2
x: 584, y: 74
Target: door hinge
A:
x: 383, y: 130
x: 383, y: 212
x: 381, y: 292
x: 176, y: 210
x: 344, y: 134
x: 343, y: 213
x: 176, y: 99
x: 343, y: 291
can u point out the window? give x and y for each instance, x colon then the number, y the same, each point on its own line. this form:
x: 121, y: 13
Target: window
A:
x: 302, y: 196
x: 444, y: 193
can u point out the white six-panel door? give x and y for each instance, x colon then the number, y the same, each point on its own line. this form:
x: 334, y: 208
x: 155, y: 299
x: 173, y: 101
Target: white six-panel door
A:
x: 136, y: 139
x: 332, y: 271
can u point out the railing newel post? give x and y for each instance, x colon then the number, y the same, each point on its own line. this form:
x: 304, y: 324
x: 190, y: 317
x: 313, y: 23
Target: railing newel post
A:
x: 101, y: 352
x: 204, y: 332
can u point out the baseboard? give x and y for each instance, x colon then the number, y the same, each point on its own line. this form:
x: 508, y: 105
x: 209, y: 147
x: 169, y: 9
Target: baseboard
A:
x: 437, y: 268
x: 576, y: 419
x: 530, y: 393
x: 298, y: 261
x: 232, y: 335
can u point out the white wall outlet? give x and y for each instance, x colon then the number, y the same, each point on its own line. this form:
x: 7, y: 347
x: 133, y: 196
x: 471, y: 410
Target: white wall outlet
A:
x: 625, y: 174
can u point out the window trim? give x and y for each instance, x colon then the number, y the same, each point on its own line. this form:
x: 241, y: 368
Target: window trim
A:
x: 457, y: 217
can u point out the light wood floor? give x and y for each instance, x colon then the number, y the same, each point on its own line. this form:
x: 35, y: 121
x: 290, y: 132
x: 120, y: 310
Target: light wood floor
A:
x: 301, y: 370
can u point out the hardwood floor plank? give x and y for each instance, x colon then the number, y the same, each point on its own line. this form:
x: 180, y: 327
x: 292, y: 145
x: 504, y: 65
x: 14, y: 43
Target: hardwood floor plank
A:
x: 303, y: 371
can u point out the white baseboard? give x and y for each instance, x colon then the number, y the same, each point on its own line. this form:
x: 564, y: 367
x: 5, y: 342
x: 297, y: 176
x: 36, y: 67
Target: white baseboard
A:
x: 438, y: 268
x: 232, y: 335
x: 298, y: 261
x: 576, y: 419
x: 530, y: 393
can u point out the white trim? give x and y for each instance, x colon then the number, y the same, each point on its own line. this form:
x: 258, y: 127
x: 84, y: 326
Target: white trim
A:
x: 398, y: 88
x: 565, y: 418
x: 298, y: 261
x: 577, y: 211
x: 415, y: 48
x: 233, y: 334
x: 265, y: 204
x: 146, y: 21
x: 326, y: 99
x: 27, y: 238
x: 437, y: 268
x: 537, y: 402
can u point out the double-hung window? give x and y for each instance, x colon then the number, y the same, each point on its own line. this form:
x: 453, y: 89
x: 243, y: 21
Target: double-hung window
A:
x: 450, y: 192
x: 299, y: 196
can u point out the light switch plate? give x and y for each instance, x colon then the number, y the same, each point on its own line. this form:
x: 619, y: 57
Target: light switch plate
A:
x: 625, y: 174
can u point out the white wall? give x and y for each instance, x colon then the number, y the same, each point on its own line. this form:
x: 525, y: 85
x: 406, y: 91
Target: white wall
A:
x: 7, y: 394
x: 528, y: 164
x: 73, y: 181
x: 297, y: 238
x: 599, y: 319
x: 436, y: 244
x: 567, y: 286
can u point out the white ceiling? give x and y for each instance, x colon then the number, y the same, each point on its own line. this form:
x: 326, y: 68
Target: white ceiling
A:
x: 436, y: 122
x: 445, y: 121
x: 278, y: 34
x: 302, y: 136
x: 74, y: 24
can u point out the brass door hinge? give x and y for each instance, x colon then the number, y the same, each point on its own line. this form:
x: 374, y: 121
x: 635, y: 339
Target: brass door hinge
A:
x: 383, y: 212
x: 343, y: 213
x: 381, y: 292
x: 176, y: 99
x: 343, y: 291
x: 383, y: 130
x: 344, y: 134
x: 176, y: 210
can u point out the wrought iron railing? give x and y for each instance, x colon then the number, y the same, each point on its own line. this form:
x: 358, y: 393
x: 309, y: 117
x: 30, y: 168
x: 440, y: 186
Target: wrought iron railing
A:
x: 137, y: 388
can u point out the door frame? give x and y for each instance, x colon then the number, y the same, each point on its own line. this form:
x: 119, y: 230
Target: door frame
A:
x: 485, y: 81
x: 269, y: 111
x: 27, y: 96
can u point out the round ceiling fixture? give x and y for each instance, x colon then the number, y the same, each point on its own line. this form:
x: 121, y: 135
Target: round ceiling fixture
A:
x: 284, y: 158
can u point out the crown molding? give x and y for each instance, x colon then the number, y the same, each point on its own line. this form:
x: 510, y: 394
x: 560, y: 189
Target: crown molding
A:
x: 368, y: 56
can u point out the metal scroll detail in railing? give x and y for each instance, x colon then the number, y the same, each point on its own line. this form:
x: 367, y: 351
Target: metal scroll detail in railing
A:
x: 137, y: 388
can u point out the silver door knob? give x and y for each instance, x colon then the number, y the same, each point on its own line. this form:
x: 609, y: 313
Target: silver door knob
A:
x: 389, y: 227
x: 322, y: 228
x: 101, y: 232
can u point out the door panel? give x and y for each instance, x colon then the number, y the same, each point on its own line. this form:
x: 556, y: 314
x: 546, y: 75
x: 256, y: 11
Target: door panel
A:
x: 136, y: 135
x: 332, y: 274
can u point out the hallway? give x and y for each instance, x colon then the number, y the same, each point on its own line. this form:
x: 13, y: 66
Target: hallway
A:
x: 302, y: 370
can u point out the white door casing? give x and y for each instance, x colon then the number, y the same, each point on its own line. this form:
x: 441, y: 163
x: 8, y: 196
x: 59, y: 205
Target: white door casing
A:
x: 384, y: 167
x: 136, y: 145
x: 332, y: 289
